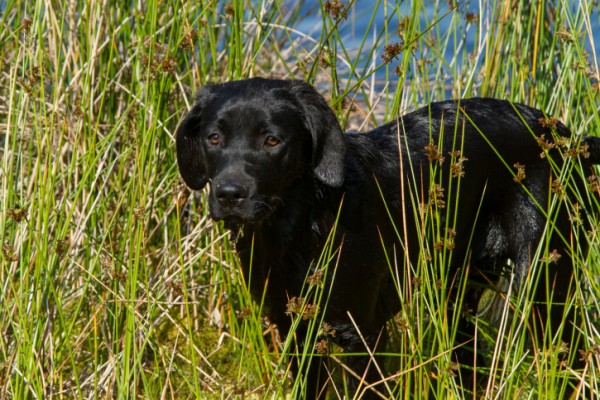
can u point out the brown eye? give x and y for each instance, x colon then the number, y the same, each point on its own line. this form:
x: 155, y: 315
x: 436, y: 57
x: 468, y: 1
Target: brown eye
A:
x: 272, y: 141
x: 214, y: 138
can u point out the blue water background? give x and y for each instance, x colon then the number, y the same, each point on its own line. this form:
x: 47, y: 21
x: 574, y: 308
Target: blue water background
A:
x: 355, y: 26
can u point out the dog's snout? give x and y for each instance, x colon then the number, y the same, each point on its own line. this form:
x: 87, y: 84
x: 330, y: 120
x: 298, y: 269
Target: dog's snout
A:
x: 230, y: 193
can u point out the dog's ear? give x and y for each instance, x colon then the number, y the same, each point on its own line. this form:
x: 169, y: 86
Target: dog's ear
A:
x: 328, y: 142
x: 190, y: 156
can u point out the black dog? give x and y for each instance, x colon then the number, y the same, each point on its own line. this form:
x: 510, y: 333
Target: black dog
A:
x: 279, y: 166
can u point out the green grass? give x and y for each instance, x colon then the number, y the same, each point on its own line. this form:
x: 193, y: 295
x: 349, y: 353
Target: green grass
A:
x: 114, y: 283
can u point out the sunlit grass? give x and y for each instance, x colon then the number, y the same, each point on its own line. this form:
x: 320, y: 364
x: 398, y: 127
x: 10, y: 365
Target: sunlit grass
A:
x: 114, y: 283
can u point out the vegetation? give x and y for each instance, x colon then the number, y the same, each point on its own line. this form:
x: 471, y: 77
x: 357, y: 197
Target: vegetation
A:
x: 114, y: 283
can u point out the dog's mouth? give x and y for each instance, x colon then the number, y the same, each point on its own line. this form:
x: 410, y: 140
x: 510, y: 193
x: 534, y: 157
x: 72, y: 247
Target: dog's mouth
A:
x: 233, y: 222
x: 248, y: 212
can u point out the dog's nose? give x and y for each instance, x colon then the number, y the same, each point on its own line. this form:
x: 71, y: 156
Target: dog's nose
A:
x: 229, y: 193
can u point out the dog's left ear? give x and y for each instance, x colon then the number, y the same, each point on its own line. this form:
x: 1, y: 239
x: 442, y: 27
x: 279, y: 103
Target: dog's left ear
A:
x: 328, y: 142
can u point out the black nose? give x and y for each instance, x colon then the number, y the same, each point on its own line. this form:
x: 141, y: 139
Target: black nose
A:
x: 229, y: 193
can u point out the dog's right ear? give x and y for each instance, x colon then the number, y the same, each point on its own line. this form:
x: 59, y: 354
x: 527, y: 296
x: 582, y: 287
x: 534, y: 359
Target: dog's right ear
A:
x: 190, y: 156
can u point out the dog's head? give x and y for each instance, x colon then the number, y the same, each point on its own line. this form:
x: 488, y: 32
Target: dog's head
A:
x: 252, y: 139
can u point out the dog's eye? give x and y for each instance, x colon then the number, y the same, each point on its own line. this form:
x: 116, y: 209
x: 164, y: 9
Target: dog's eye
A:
x: 214, y: 138
x: 272, y: 141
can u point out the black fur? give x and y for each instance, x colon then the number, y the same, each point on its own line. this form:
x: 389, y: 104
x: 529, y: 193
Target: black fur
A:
x: 281, y: 165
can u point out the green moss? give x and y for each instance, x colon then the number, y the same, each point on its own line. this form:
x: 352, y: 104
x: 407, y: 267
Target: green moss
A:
x: 213, y: 352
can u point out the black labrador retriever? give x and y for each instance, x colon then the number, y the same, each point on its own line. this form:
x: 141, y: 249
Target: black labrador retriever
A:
x: 282, y: 174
